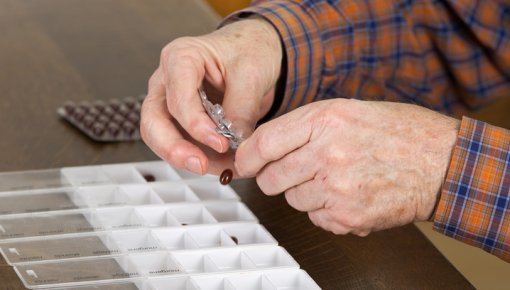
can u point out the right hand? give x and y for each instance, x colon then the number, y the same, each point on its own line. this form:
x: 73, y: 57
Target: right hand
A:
x: 240, y: 62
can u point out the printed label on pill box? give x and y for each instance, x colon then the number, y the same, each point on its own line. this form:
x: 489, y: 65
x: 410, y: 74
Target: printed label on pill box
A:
x: 77, y: 271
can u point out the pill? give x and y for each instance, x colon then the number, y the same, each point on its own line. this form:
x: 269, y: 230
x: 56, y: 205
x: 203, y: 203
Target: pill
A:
x: 149, y: 177
x: 113, y: 129
x: 226, y: 176
x: 98, y: 129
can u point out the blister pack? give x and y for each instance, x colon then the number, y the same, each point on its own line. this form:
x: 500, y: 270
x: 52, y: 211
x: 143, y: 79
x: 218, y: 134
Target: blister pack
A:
x: 105, y: 121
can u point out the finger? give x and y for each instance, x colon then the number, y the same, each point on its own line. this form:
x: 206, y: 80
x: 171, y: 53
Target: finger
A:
x: 322, y: 219
x: 292, y: 170
x: 182, y: 78
x: 161, y: 135
x: 360, y: 233
x: 306, y: 197
x: 272, y: 141
x: 242, y: 103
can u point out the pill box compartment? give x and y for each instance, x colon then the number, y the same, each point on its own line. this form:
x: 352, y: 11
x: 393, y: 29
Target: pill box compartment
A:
x: 191, y: 214
x: 212, y: 190
x: 246, y: 234
x: 156, y: 171
x: 230, y: 212
x: 102, y: 196
x: 140, y: 195
x: 156, y: 217
x: 175, y: 239
x: 131, y: 241
x: 156, y: 264
x: 86, y: 175
x: 172, y: 192
x: 117, y: 218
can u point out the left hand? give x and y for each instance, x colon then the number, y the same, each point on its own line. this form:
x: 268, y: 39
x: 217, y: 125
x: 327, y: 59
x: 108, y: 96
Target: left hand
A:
x: 354, y: 166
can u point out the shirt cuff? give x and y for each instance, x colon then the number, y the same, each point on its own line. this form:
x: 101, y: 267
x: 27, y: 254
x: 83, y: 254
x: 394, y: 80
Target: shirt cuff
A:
x: 475, y: 201
x: 300, y: 35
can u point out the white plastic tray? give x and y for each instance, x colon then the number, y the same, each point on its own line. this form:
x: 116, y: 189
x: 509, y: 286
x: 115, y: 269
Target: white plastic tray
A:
x: 138, y: 226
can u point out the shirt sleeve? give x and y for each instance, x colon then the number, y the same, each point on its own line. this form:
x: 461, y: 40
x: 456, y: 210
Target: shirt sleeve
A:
x: 475, y: 201
x: 445, y: 55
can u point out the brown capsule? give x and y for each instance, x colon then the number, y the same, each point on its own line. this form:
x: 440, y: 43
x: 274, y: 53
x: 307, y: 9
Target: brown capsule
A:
x: 149, y: 177
x: 226, y: 176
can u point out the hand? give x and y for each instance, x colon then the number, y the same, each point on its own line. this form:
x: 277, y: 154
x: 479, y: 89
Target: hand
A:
x: 240, y: 62
x: 354, y: 166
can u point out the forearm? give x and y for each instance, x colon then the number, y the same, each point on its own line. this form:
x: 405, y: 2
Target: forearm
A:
x: 433, y: 53
x: 474, y: 206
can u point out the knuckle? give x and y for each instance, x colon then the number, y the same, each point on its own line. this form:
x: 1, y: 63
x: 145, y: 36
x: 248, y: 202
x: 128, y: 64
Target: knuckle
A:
x: 145, y: 128
x: 193, y: 127
x: 153, y: 80
x: 181, y: 49
x: 266, y: 181
x: 262, y: 146
x: 239, y: 163
x: 314, y: 219
x: 336, y: 187
x: 353, y: 221
x: 292, y: 199
x: 171, y: 155
x: 319, y: 220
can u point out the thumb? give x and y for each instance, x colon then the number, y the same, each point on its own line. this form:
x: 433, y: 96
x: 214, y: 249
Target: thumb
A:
x: 244, y: 105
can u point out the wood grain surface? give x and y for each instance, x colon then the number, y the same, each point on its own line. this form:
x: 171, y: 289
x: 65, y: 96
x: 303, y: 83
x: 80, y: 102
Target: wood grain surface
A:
x: 57, y: 50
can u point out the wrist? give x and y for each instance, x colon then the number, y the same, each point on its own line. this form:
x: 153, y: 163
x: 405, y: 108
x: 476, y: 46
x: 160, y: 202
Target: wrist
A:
x: 448, y: 131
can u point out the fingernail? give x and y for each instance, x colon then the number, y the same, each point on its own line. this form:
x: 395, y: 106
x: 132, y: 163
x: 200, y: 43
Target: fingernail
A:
x: 215, y: 143
x: 193, y: 165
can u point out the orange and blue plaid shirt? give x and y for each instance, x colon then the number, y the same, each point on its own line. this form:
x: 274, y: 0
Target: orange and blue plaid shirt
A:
x: 447, y: 55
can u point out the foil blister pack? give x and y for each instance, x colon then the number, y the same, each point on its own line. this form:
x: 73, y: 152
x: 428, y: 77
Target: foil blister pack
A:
x: 142, y: 226
x: 105, y: 121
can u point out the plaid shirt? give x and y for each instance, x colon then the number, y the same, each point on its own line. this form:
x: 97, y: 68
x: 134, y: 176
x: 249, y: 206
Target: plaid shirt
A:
x: 447, y: 55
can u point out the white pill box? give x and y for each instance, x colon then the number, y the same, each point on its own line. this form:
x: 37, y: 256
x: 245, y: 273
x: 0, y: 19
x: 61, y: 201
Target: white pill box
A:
x: 136, y: 226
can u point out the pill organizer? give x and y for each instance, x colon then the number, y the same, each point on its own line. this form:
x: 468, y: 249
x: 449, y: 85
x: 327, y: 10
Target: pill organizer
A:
x: 142, y: 226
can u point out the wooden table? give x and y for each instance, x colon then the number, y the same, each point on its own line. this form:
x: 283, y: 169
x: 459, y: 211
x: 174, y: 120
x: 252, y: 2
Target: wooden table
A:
x: 57, y: 50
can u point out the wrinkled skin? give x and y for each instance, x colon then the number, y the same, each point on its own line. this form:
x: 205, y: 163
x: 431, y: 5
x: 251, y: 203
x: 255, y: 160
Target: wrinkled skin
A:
x: 234, y: 64
x: 354, y: 166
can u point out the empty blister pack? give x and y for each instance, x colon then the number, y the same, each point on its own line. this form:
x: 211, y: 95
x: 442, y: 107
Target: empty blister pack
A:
x: 136, y: 226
